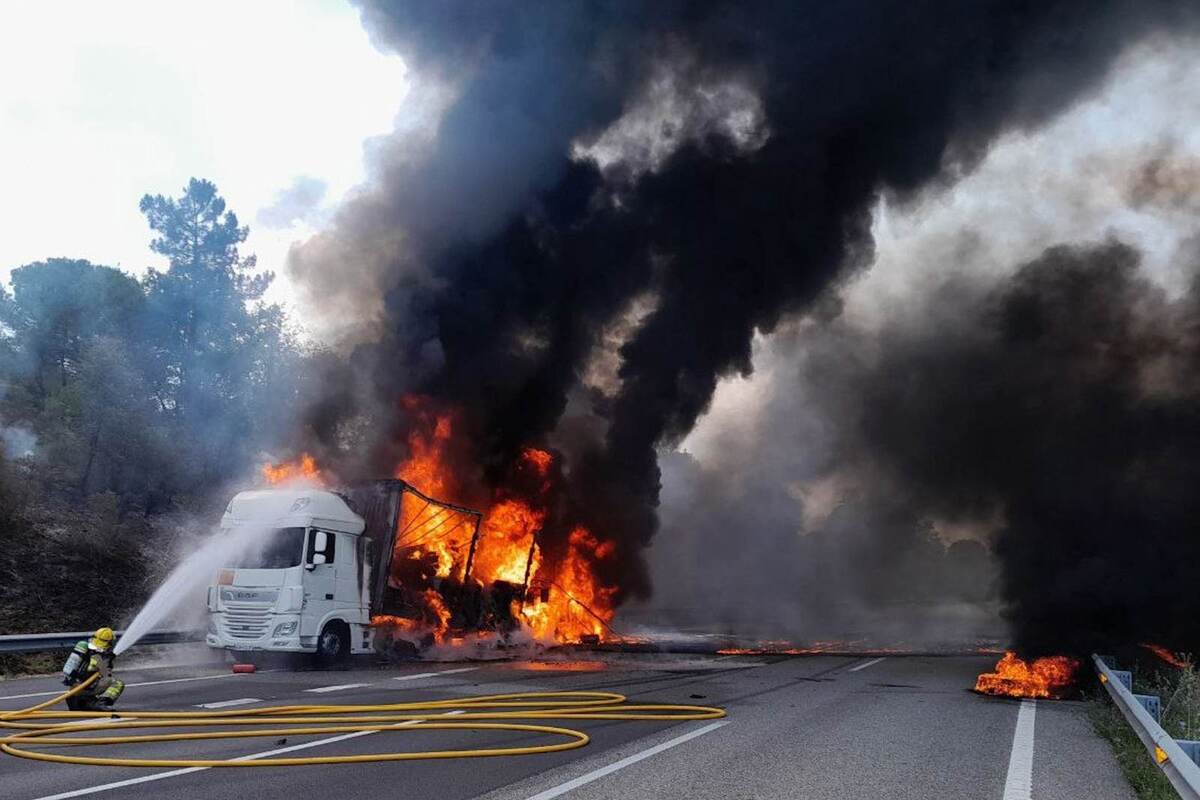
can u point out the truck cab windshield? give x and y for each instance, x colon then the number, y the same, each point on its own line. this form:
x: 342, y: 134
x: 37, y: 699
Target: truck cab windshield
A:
x: 278, y: 549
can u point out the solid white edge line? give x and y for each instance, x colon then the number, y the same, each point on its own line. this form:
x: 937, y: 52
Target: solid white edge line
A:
x: 1018, y: 785
x: 338, y: 688
x: 141, y: 683
x: 158, y: 776
x: 866, y: 664
x: 433, y: 674
x: 241, y: 701
x: 596, y: 774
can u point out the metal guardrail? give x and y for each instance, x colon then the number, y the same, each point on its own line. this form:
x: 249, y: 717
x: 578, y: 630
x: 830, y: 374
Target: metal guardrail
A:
x: 39, y: 642
x: 1170, y: 754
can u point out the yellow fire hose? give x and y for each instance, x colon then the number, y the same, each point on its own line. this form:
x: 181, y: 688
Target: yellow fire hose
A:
x: 469, y: 713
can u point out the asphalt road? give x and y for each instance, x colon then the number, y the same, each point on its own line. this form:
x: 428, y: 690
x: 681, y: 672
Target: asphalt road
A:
x: 812, y: 727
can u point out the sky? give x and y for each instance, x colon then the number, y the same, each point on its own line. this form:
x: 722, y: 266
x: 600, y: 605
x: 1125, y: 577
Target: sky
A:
x: 277, y: 103
x: 272, y: 100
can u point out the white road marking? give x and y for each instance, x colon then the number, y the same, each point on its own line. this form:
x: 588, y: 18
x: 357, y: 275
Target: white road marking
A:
x: 142, y: 683
x: 433, y: 674
x: 1019, y: 783
x: 241, y: 701
x: 596, y: 774
x: 743, y: 664
x: 341, y: 687
x: 158, y: 776
x: 866, y: 664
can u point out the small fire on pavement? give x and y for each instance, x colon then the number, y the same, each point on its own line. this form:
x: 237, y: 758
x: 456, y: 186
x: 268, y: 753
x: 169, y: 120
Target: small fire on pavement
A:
x: 1047, y: 677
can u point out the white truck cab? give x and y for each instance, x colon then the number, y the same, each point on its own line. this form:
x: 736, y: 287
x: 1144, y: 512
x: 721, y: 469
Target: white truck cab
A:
x: 301, y: 583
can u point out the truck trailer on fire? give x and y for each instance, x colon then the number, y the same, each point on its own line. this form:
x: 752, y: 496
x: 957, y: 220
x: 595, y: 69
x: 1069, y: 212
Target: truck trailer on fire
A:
x: 325, y: 565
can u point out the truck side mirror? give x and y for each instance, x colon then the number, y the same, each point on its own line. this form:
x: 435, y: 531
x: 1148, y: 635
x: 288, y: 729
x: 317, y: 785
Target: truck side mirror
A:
x: 318, y: 558
x: 320, y: 542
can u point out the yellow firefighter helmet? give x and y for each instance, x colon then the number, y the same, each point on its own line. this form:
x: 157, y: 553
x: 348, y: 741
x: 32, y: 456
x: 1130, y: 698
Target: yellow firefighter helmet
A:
x: 102, y: 639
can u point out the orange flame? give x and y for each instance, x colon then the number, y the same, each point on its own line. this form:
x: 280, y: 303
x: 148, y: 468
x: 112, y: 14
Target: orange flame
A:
x: 572, y: 604
x: 436, y: 620
x: 564, y: 600
x: 1051, y: 677
x: 505, y: 539
x: 428, y: 531
x: 427, y: 467
x: 302, y: 469
x: 540, y: 460
x: 1166, y: 655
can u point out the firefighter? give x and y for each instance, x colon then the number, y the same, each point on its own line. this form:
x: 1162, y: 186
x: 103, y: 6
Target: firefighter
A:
x: 94, y: 655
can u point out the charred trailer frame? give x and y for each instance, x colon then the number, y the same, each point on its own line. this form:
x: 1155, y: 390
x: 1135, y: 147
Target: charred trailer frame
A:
x: 472, y: 606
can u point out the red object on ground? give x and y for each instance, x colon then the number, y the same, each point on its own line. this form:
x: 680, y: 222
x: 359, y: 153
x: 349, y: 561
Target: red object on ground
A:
x: 243, y: 668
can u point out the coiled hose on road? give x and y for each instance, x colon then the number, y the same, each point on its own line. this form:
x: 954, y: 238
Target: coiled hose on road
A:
x: 489, y: 712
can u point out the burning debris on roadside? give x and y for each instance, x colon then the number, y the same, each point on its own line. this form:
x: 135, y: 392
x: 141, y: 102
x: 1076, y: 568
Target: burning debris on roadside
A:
x: 1051, y: 677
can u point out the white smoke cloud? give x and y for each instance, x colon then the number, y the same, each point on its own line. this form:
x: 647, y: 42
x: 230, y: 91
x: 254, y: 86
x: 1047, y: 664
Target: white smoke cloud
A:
x: 675, y: 108
x: 17, y: 441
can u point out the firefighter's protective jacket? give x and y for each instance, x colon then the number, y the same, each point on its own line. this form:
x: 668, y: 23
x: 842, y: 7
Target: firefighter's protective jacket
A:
x: 84, y: 661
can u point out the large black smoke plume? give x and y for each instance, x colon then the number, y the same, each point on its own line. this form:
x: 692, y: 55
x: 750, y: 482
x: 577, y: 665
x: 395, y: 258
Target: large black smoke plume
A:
x: 612, y: 198
x: 1061, y: 408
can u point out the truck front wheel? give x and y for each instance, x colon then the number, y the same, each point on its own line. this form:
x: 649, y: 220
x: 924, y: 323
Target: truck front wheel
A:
x: 333, y: 645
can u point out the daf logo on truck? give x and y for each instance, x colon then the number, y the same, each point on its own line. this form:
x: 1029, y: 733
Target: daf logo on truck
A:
x: 254, y: 596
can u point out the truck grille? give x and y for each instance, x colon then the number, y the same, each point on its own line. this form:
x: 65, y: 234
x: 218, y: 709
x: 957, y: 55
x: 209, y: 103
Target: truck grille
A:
x: 247, y: 620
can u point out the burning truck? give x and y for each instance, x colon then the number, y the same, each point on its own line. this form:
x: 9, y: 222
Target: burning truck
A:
x: 382, y: 565
x: 330, y: 566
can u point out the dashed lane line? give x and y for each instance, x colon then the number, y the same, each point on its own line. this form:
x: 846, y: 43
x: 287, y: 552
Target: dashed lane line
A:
x: 433, y: 674
x: 341, y: 687
x: 241, y: 701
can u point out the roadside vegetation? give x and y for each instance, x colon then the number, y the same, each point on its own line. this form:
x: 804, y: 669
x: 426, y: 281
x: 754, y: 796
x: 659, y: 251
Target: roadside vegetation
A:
x: 1179, y: 690
x: 126, y: 402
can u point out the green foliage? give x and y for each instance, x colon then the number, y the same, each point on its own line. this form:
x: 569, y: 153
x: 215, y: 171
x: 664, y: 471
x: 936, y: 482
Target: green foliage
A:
x: 56, y: 307
x: 1146, y: 779
x: 143, y: 397
x: 150, y: 390
x: 214, y: 340
x: 1179, y: 690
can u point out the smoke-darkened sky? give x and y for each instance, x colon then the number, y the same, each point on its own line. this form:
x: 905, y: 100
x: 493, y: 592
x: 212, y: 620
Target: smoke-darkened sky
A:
x: 1118, y: 165
x: 618, y: 199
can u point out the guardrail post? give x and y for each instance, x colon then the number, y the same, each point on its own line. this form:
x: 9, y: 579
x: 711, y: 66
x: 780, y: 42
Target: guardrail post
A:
x: 1177, y: 760
x: 1151, y: 703
x: 1191, y: 748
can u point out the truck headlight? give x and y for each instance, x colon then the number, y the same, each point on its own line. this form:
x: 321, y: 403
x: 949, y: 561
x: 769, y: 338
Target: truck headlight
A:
x: 212, y: 626
x: 284, y: 628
